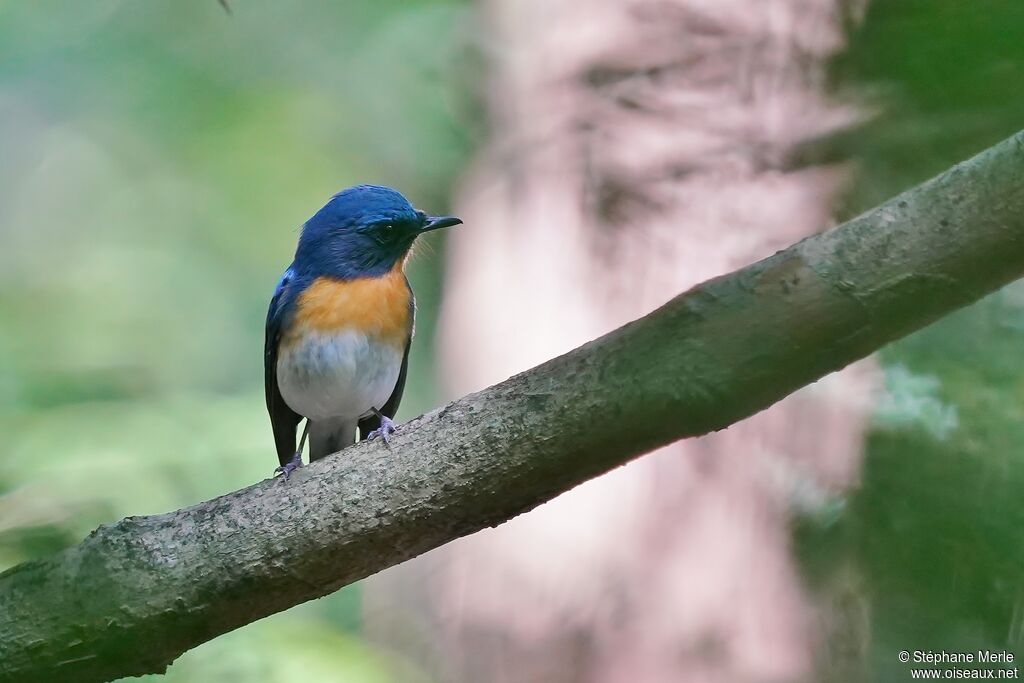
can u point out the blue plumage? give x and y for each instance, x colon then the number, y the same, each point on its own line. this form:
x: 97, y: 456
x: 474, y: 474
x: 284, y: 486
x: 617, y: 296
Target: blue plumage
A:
x: 283, y: 419
x: 346, y: 238
x: 333, y: 322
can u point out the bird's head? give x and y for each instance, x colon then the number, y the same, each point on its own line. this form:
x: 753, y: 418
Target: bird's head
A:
x: 363, y: 231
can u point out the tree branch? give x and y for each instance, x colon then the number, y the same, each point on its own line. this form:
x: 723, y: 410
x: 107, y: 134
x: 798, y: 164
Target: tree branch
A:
x: 134, y: 595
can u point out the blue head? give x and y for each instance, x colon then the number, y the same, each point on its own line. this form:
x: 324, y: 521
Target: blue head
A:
x: 362, y: 231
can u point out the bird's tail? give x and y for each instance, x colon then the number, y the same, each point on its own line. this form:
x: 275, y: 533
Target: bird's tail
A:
x: 330, y: 436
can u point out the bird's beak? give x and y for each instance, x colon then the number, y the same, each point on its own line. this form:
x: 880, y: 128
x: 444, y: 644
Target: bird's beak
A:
x: 438, y: 222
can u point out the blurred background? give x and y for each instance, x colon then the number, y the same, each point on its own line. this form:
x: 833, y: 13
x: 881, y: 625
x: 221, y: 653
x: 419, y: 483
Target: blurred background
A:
x: 157, y: 159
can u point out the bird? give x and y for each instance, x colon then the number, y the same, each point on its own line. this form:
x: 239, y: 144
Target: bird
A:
x: 341, y: 322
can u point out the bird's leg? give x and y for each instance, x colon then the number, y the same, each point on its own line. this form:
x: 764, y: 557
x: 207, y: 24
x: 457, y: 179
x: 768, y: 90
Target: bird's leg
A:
x: 296, y: 461
x: 386, y: 429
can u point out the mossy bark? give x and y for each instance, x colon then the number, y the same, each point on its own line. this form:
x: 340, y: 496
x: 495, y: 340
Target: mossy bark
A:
x: 135, y: 595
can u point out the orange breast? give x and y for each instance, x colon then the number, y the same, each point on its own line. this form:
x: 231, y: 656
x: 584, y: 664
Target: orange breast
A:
x: 377, y: 307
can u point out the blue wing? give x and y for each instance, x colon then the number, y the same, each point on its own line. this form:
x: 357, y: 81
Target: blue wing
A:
x: 283, y: 419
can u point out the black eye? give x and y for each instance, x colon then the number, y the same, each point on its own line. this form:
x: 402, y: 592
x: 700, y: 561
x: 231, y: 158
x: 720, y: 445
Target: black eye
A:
x: 387, y: 230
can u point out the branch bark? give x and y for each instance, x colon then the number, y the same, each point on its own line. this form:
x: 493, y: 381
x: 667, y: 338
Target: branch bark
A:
x: 136, y: 594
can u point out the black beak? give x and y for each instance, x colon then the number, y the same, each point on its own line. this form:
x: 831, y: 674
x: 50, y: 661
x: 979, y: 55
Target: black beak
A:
x: 438, y: 222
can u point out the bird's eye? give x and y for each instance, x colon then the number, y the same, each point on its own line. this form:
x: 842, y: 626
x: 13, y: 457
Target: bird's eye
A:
x: 387, y: 230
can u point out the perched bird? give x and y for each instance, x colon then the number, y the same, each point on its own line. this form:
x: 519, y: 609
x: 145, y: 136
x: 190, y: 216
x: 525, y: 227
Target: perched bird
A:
x: 340, y: 323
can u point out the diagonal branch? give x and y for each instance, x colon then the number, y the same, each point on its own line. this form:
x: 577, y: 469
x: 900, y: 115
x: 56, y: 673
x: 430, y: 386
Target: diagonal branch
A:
x: 134, y: 595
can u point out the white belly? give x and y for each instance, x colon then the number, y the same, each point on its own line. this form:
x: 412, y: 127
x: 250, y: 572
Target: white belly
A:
x: 342, y: 375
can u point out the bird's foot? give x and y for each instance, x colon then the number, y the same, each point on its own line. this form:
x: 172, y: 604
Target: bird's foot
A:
x: 386, y: 429
x: 286, y: 470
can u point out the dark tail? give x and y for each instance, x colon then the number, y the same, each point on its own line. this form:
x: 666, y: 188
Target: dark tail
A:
x: 330, y: 436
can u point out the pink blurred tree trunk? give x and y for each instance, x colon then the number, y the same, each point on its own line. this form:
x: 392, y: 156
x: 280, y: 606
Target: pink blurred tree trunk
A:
x: 637, y: 148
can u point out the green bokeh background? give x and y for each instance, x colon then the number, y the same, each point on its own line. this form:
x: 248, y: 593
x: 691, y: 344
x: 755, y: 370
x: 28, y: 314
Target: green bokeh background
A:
x: 927, y: 553
x: 156, y: 160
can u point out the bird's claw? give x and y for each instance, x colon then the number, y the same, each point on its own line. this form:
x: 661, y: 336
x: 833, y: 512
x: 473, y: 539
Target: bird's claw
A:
x: 386, y: 429
x: 286, y: 469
